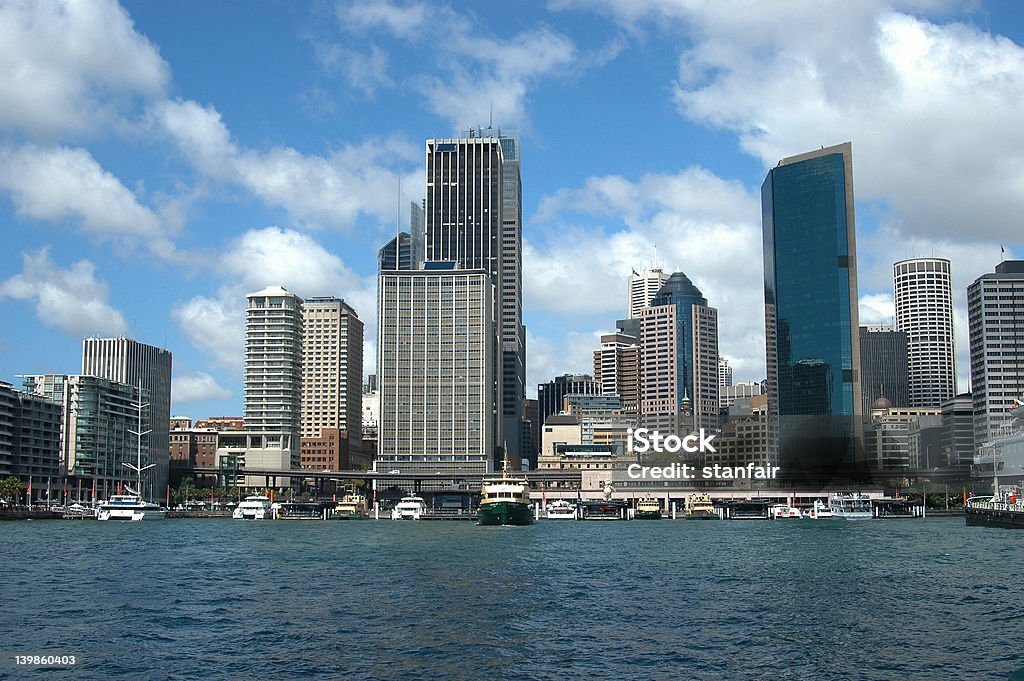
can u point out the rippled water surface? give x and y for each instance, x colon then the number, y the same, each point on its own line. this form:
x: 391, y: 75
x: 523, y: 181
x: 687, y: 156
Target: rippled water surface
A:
x: 219, y: 599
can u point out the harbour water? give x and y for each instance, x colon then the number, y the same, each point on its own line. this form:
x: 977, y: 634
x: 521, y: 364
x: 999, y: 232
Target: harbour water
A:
x: 220, y: 599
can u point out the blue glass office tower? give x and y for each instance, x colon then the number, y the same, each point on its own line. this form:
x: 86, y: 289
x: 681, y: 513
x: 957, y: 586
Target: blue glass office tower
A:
x: 811, y: 320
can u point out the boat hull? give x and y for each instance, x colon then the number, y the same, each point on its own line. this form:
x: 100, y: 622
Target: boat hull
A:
x: 130, y: 515
x: 648, y: 515
x: 702, y: 515
x: 986, y: 517
x: 504, y: 513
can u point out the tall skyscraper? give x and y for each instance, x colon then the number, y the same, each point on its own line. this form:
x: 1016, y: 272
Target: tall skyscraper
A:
x: 923, y: 290
x: 883, y: 365
x: 643, y: 287
x: 436, y: 373
x: 332, y: 370
x: 679, y: 359
x: 995, y: 309
x: 811, y: 317
x: 273, y: 372
x: 473, y: 216
x: 132, y: 363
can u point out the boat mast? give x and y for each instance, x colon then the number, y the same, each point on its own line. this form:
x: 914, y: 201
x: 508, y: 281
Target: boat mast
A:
x: 138, y: 467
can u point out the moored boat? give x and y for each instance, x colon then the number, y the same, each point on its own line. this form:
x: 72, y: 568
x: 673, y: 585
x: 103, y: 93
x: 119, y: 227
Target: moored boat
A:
x: 700, y: 507
x: 781, y: 511
x: 130, y: 507
x: 648, y: 508
x: 504, y: 500
x: 351, y: 507
x: 853, y: 506
x: 409, y: 508
x: 256, y: 507
x: 561, y: 509
x: 819, y: 511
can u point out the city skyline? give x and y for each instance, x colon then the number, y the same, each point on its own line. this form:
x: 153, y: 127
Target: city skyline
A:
x: 171, y: 171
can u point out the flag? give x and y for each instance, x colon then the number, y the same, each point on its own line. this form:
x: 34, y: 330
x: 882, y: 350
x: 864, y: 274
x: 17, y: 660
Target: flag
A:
x: 28, y: 490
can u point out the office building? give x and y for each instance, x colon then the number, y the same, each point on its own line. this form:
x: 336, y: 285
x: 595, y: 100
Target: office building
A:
x: 96, y: 432
x: 133, y: 363
x: 643, y: 287
x: 679, y: 360
x: 437, y: 372
x: 811, y: 316
x: 617, y: 369
x: 730, y: 393
x: 995, y: 309
x: 551, y: 395
x: 332, y: 372
x: 473, y: 216
x: 724, y: 372
x: 888, y: 444
x: 883, y: 365
x: 923, y: 289
x: 958, y: 432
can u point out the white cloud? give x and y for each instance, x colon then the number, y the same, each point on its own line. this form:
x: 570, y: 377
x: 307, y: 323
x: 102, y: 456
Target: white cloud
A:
x: 932, y: 109
x: 549, y: 357
x: 215, y: 326
x: 877, y: 308
x: 61, y: 184
x: 332, y: 190
x: 71, y: 299
x: 70, y: 66
x: 256, y: 259
x: 481, y: 75
x: 197, y: 387
x: 696, y: 222
x: 365, y: 72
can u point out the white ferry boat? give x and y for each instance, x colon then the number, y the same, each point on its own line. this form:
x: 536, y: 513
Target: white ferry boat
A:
x: 409, y: 508
x: 819, y: 511
x: 255, y: 507
x: 779, y: 511
x: 850, y: 506
x: 560, y: 509
x: 130, y: 507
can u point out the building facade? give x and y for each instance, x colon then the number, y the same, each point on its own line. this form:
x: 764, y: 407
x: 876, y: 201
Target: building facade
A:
x: 438, y: 372
x: 137, y: 364
x: 332, y: 371
x: 551, y: 395
x: 617, y: 369
x: 473, y: 216
x: 273, y: 370
x: 995, y: 309
x: 679, y: 359
x: 30, y: 440
x: 923, y: 290
x: 643, y: 287
x: 883, y: 364
x: 811, y: 316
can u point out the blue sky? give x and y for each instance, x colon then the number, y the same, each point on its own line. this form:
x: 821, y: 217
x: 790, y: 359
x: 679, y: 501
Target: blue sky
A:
x: 159, y: 160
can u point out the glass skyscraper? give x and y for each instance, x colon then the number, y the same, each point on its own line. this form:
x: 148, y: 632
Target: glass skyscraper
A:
x: 812, y: 330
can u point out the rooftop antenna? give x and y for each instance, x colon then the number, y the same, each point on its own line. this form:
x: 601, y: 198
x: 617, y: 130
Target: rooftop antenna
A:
x: 490, y: 119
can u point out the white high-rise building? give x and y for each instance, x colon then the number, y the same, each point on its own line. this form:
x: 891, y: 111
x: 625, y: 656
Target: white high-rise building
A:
x: 995, y: 308
x: 643, y: 287
x: 437, y: 373
x: 332, y: 373
x: 132, y: 363
x: 724, y: 372
x: 923, y: 289
x: 273, y: 377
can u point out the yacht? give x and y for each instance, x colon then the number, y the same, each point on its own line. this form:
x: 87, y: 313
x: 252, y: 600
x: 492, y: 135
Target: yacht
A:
x: 780, y: 511
x: 819, y: 511
x: 409, y: 508
x: 850, y: 506
x: 131, y: 507
x: 648, y: 508
x: 252, y: 508
x: 560, y: 509
x: 504, y: 500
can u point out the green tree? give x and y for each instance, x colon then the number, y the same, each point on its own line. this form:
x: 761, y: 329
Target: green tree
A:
x: 12, y: 489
